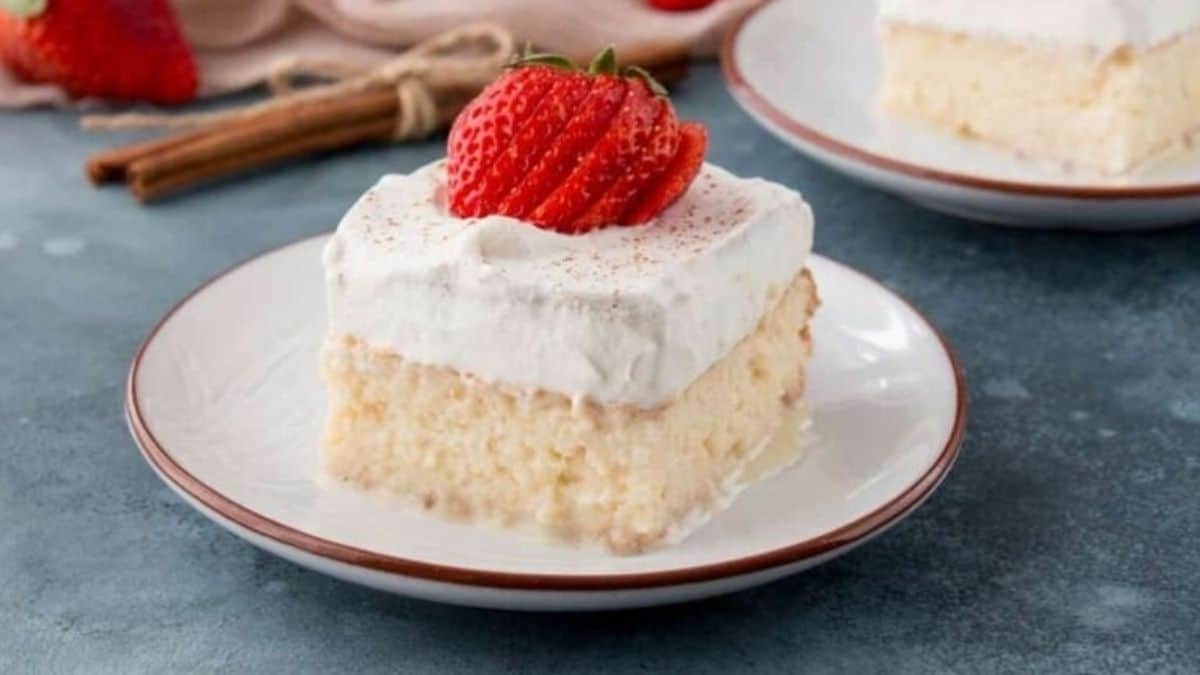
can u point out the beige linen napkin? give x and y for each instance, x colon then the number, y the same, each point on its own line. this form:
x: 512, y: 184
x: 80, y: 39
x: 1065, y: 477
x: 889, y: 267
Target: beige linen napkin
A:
x: 238, y: 42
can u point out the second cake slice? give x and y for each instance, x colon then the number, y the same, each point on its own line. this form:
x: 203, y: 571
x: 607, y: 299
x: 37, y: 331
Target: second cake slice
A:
x: 1099, y: 85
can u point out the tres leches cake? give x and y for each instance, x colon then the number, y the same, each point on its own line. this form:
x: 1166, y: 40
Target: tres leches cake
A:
x: 572, y: 322
x: 1099, y: 85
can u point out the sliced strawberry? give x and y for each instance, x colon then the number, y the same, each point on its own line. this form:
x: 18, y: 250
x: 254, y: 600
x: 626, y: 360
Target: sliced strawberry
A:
x: 532, y: 139
x: 674, y: 180
x: 589, y: 123
x: 568, y: 150
x: 484, y: 129
x: 656, y: 154
x: 626, y: 137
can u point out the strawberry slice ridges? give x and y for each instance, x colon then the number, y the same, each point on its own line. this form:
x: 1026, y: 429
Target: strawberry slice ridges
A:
x: 473, y: 147
x: 661, y: 148
x: 590, y: 121
x: 570, y: 150
x: 626, y: 136
x: 531, y: 141
x: 675, y: 179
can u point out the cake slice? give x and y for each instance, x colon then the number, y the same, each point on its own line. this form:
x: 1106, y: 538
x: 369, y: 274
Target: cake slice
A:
x: 600, y: 383
x: 1105, y: 86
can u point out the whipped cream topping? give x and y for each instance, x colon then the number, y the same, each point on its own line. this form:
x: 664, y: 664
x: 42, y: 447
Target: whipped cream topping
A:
x: 1102, y: 24
x: 621, y: 315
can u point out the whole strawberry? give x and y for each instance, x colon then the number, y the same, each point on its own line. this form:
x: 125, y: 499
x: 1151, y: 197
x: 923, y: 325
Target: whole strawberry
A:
x: 569, y: 150
x: 119, y: 49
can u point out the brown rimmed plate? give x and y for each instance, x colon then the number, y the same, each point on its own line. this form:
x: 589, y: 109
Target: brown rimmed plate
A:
x: 809, y: 73
x: 225, y: 404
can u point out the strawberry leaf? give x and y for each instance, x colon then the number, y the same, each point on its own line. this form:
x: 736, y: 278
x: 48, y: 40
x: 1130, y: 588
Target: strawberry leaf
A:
x: 644, y: 75
x: 529, y: 57
x: 605, y: 62
x: 23, y: 9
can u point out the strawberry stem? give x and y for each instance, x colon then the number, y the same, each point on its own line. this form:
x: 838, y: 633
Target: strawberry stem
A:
x: 605, y: 62
x: 23, y: 9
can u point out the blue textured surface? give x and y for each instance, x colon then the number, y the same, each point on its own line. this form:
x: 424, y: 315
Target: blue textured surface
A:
x: 1066, y: 540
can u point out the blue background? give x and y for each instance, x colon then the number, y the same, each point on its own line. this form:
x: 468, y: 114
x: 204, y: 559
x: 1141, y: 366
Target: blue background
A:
x: 1066, y: 540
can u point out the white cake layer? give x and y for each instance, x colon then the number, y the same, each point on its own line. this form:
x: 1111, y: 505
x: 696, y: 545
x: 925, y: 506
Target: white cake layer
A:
x: 1101, y: 24
x: 1112, y: 116
x: 622, y: 315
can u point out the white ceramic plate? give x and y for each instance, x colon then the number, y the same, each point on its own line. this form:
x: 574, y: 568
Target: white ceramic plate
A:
x: 810, y: 71
x: 225, y: 403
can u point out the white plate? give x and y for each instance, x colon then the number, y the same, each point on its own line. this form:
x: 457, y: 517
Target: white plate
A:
x: 225, y: 403
x: 810, y: 71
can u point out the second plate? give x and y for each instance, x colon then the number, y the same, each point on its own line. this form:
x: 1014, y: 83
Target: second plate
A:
x: 810, y: 71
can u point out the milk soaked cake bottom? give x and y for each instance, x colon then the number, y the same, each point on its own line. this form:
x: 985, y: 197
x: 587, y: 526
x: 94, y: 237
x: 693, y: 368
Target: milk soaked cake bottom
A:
x: 627, y: 477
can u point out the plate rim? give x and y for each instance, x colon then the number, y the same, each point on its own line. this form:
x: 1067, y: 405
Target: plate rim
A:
x: 754, y: 101
x: 849, y: 534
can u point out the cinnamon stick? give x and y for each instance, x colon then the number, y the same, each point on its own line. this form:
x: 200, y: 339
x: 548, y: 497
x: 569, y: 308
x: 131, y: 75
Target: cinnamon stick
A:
x: 154, y: 183
x: 153, y: 177
x: 264, y: 131
x: 109, y: 166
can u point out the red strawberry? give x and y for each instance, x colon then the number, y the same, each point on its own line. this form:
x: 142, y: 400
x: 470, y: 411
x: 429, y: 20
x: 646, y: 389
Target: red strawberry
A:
x: 679, y: 5
x: 570, y: 151
x: 674, y: 180
x: 485, y: 129
x: 588, y: 122
x: 665, y: 141
x: 620, y: 146
x: 534, y: 137
x: 104, y: 48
